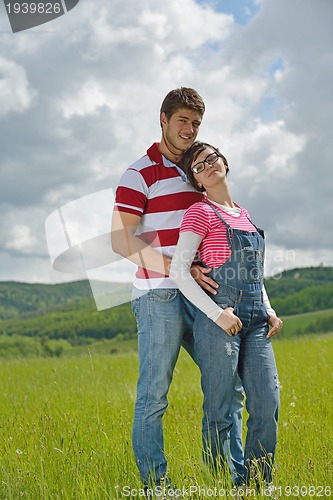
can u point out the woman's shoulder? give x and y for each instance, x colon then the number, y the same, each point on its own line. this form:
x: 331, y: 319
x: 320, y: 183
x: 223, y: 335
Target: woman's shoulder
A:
x: 197, y: 207
x: 245, y: 212
x: 196, y: 216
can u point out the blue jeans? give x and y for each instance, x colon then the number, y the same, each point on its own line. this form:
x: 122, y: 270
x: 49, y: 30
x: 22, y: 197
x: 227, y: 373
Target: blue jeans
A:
x: 165, y: 322
x: 221, y: 359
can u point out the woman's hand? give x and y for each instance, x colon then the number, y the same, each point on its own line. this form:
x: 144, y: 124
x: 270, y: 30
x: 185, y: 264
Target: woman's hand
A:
x: 229, y: 322
x: 276, y: 324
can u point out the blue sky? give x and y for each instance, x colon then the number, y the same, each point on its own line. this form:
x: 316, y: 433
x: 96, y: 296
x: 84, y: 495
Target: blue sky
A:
x: 79, y: 101
x: 241, y: 10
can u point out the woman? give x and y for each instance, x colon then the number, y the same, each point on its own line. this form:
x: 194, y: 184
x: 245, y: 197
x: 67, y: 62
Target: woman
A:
x: 231, y: 328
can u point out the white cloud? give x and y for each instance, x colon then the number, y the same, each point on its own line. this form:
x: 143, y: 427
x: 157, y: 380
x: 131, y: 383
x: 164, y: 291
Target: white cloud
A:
x: 16, y: 94
x: 144, y: 24
x: 21, y: 239
x: 274, y: 147
x: 88, y: 100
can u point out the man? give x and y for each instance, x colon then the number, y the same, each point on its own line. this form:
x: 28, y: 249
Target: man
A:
x: 151, y: 200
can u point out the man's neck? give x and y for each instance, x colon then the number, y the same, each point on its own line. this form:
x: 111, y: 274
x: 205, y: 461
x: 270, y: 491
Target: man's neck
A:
x: 169, y: 155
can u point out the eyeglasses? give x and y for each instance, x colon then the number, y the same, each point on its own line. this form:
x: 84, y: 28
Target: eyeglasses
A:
x: 200, y: 167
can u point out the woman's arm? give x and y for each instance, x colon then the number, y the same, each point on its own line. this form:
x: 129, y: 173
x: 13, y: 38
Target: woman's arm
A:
x: 274, y: 322
x: 267, y: 304
x: 180, y: 273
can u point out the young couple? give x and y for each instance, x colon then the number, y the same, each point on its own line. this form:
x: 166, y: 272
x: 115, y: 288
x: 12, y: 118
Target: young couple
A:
x: 199, y: 284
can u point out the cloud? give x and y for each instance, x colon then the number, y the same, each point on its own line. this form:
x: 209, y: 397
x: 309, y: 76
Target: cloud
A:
x: 22, y: 231
x: 80, y: 102
x: 16, y: 94
x: 146, y: 26
x: 280, y: 156
x: 88, y: 101
x: 21, y: 239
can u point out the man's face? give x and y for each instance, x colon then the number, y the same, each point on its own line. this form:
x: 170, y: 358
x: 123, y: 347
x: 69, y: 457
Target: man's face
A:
x: 181, y: 130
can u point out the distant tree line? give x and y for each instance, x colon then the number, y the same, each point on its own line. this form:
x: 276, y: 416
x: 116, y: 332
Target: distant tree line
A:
x: 315, y: 298
x: 48, y: 320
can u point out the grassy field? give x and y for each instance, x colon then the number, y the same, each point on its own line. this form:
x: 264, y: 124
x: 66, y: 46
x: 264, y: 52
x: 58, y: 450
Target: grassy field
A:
x: 65, y: 426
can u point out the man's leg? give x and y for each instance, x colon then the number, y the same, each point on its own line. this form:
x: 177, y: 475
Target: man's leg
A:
x: 189, y: 313
x: 160, y: 329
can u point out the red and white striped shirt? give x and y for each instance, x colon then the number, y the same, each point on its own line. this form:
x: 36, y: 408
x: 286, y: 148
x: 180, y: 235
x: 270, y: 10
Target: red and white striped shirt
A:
x: 156, y: 190
x: 201, y: 219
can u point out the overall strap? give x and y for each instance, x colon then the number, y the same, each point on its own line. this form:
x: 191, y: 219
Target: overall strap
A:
x: 229, y: 229
x: 257, y: 228
x: 260, y: 231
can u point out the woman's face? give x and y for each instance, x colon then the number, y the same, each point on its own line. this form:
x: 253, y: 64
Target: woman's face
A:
x: 210, y: 167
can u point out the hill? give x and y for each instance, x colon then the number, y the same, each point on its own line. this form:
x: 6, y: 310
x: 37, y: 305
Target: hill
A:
x: 301, y: 290
x: 18, y: 300
x: 50, y: 319
x: 30, y: 299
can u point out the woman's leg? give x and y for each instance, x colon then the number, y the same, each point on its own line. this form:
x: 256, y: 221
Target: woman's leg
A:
x: 258, y: 372
x: 217, y: 356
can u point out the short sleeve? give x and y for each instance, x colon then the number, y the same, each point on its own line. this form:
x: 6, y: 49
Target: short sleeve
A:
x: 196, y: 219
x: 132, y: 192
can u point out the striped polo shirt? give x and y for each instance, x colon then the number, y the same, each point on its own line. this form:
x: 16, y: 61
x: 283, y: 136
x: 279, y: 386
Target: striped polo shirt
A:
x: 201, y: 219
x: 156, y: 190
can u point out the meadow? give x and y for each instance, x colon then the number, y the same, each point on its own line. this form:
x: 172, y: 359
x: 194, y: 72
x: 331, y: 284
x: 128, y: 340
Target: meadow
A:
x: 65, y: 426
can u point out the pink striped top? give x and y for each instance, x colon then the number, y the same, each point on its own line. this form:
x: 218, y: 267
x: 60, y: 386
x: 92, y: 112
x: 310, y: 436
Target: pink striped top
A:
x: 202, y: 220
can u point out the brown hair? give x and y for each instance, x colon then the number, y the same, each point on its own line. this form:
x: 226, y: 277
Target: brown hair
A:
x: 183, y: 97
x: 191, y: 155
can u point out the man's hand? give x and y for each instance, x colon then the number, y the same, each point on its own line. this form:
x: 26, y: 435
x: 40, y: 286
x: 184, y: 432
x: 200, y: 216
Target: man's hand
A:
x: 276, y: 324
x: 126, y: 243
x: 229, y: 322
x: 199, y: 274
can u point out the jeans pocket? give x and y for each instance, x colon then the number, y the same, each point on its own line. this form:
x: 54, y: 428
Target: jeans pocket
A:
x: 264, y: 311
x: 135, y: 307
x: 163, y: 294
x: 251, y: 270
x: 259, y: 314
x: 225, y: 302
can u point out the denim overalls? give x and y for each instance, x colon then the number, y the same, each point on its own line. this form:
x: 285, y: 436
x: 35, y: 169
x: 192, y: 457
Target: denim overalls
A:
x: 249, y: 353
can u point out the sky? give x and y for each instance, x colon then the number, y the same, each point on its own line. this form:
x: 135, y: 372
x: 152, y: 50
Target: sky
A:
x: 80, y: 99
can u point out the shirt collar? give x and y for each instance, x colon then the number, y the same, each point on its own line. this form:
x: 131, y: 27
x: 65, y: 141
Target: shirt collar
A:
x: 155, y: 155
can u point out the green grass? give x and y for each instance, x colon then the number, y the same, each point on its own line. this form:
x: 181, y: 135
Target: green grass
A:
x: 65, y: 424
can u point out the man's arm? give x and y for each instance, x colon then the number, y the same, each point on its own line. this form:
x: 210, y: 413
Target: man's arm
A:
x: 126, y: 243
